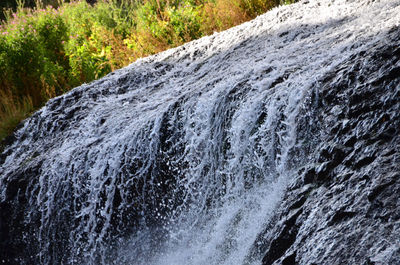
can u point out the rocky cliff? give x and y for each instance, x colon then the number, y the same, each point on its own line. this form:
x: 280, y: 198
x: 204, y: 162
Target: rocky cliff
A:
x: 275, y: 142
x: 344, y: 207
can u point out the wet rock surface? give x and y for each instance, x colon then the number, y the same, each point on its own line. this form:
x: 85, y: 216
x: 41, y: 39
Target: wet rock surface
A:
x: 344, y: 208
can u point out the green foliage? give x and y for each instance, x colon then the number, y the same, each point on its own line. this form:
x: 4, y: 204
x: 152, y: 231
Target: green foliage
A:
x: 45, y: 51
x: 185, y: 21
x: 32, y: 53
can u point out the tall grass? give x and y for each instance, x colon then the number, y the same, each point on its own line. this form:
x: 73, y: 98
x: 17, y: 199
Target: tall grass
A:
x: 45, y: 50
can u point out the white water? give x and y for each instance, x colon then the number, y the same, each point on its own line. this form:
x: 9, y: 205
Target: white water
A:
x: 191, y: 148
x: 247, y: 184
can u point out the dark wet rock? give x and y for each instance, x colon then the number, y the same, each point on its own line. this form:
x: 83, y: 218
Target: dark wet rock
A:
x: 309, y: 175
x: 289, y: 259
x: 284, y: 238
x: 340, y: 216
x: 351, y: 214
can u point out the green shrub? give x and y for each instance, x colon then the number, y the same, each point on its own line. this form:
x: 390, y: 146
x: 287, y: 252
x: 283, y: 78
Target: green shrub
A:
x: 32, y: 53
x: 185, y: 21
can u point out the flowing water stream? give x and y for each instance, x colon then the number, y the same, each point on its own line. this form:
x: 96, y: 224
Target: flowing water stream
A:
x: 182, y: 157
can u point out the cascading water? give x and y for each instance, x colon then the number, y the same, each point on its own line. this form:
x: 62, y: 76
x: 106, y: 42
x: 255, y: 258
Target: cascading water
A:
x: 236, y: 146
x: 181, y: 157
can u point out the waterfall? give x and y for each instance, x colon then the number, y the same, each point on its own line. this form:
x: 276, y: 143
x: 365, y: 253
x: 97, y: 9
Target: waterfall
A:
x: 231, y: 152
x: 182, y: 157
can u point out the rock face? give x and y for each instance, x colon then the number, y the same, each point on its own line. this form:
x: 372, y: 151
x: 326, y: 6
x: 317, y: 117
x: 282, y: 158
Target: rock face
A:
x: 344, y: 207
x: 275, y: 142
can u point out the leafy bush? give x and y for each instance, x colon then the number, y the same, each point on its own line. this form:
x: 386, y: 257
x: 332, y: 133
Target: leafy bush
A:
x: 32, y: 55
x: 185, y: 21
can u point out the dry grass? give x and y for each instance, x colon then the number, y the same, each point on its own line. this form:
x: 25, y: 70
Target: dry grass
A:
x: 12, y: 112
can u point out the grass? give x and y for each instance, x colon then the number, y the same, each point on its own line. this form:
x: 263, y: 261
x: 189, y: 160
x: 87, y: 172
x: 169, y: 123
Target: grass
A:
x: 46, y: 50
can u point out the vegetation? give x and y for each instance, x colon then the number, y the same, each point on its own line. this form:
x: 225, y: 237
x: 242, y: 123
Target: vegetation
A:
x: 46, y: 50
